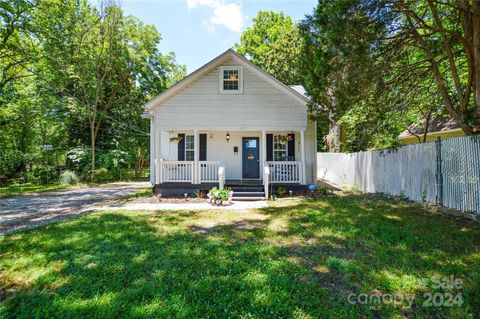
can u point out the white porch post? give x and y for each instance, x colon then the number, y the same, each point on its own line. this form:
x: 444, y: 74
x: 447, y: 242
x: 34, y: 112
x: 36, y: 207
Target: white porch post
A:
x: 158, y: 174
x: 302, y: 147
x: 152, y: 150
x: 263, y: 153
x: 196, y: 166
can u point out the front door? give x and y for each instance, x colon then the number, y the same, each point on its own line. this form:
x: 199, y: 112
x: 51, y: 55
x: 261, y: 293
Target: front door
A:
x: 250, y: 158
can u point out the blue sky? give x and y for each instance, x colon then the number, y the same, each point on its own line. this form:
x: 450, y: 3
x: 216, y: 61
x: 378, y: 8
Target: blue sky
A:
x: 199, y: 30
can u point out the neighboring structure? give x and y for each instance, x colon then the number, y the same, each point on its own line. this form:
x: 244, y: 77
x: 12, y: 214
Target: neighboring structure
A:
x: 231, y: 123
x: 440, y: 126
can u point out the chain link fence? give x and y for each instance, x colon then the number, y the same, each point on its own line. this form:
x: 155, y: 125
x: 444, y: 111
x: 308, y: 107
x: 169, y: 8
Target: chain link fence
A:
x: 444, y: 172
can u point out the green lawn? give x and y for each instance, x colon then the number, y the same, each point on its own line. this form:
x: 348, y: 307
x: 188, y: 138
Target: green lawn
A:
x: 18, y: 189
x: 298, y: 259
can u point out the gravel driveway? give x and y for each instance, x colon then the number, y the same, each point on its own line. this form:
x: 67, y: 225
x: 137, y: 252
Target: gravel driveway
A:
x: 28, y: 211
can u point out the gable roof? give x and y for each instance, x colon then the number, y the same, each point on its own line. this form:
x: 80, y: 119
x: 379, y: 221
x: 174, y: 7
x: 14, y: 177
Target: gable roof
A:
x: 199, y: 73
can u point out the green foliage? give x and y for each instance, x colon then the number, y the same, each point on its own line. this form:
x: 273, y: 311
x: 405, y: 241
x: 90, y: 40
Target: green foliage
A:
x: 219, y: 194
x: 72, y: 66
x: 281, y: 191
x: 78, y: 159
x: 68, y: 178
x: 45, y: 174
x: 273, y: 44
x: 11, y: 161
x: 376, y: 67
x: 102, y: 175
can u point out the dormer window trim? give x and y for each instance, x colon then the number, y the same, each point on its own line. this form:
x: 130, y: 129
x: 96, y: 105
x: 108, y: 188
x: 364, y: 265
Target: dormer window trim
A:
x: 224, y: 80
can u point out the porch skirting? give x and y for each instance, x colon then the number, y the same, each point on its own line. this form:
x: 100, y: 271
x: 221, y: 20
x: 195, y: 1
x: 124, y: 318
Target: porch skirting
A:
x: 180, y: 189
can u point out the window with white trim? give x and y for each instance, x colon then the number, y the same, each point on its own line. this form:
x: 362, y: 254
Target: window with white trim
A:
x: 280, y: 149
x: 231, y: 79
x: 189, y: 147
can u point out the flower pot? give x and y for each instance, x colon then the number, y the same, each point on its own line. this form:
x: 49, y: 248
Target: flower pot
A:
x: 218, y: 202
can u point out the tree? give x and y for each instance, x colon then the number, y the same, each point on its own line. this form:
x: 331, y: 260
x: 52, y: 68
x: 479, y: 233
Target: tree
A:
x: 338, y: 60
x: 273, y: 43
x: 448, y: 35
x: 89, y: 71
x: 17, y: 49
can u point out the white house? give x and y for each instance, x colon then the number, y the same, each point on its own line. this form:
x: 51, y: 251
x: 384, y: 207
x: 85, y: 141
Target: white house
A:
x: 230, y: 123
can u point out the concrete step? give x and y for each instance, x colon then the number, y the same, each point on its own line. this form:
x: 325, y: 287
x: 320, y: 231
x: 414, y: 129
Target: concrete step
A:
x: 249, y: 194
x: 247, y: 198
x: 242, y: 189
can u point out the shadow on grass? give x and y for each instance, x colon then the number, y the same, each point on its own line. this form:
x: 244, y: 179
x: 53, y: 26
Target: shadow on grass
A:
x: 155, y: 265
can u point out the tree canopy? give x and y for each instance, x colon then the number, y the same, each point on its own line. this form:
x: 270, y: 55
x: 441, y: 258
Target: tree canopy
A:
x: 379, y: 65
x: 76, y: 76
x: 273, y: 43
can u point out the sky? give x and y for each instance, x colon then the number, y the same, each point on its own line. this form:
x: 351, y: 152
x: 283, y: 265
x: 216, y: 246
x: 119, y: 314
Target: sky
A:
x: 199, y: 30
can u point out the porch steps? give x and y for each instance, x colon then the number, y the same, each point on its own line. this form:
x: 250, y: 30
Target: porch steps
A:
x: 247, y: 198
x: 246, y: 191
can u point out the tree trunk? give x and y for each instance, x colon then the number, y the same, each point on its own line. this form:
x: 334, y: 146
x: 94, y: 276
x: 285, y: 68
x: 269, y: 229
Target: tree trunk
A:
x: 92, y: 140
x: 334, y: 134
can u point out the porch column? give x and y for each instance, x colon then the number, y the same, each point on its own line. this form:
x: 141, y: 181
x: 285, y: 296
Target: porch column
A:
x: 196, y: 166
x: 158, y: 174
x: 263, y: 153
x: 302, y: 147
x: 152, y: 152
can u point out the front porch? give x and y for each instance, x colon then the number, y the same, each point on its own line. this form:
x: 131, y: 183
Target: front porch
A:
x: 223, y: 158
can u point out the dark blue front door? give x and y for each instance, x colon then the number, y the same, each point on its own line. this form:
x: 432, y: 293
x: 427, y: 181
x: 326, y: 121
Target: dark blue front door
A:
x: 250, y: 159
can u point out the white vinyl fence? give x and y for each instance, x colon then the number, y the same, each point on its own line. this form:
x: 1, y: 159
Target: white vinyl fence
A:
x: 445, y: 172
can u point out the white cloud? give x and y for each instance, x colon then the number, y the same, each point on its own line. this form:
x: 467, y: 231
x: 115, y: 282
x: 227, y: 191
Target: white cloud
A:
x: 229, y: 15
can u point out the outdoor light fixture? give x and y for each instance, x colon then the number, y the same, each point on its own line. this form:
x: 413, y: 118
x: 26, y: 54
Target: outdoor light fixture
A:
x: 227, y: 137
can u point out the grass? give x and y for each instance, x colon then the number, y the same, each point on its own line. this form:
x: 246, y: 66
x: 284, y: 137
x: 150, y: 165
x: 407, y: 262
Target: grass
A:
x: 297, y: 259
x: 21, y: 189
x: 18, y: 189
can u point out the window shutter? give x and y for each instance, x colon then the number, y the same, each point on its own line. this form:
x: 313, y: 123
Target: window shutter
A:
x: 291, y: 147
x: 203, y: 147
x: 269, y: 147
x: 181, y: 147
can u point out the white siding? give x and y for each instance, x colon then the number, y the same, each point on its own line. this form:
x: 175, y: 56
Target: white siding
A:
x: 219, y: 150
x: 262, y: 106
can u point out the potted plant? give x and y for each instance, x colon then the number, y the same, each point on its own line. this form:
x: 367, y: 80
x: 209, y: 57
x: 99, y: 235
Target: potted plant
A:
x: 176, y: 139
x: 217, y: 196
x: 283, y: 138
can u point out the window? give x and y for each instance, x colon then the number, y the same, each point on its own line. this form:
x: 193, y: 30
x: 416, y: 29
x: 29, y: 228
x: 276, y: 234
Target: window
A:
x: 231, y: 80
x: 189, y: 148
x: 280, y: 149
x: 251, y: 143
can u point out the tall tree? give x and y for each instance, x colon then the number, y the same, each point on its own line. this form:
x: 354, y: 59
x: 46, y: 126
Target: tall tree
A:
x: 448, y: 35
x: 273, y: 43
x: 338, y: 60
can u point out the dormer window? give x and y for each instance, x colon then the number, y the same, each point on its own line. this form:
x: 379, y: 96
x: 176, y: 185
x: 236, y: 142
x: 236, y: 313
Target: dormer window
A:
x: 231, y: 80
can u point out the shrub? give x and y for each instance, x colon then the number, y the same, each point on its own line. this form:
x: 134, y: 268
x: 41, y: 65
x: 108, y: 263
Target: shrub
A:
x: 45, y: 174
x: 102, y: 175
x: 79, y: 159
x: 11, y: 161
x: 68, y: 178
x: 281, y: 191
x: 216, y: 193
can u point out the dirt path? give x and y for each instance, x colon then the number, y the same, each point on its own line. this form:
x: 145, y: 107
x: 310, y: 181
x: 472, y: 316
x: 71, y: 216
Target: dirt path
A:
x: 28, y: 211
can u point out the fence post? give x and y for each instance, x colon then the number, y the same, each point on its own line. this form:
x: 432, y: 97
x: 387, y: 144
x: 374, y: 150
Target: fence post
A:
x: 439, y: 174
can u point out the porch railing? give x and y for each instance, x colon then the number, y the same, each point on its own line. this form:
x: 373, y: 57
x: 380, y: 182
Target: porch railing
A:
x: 186, y: 171
x: 209, y: 171
x: 177, y: 171
x: 285, y: 171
